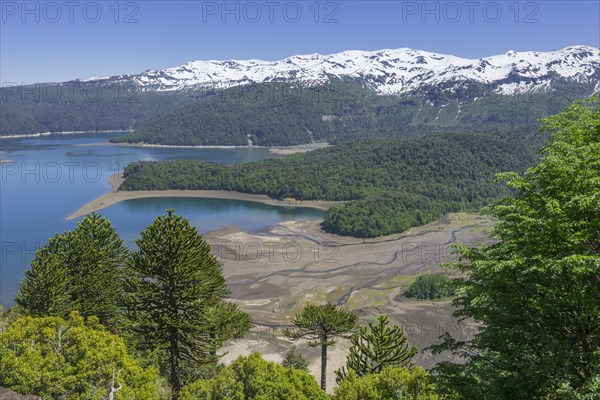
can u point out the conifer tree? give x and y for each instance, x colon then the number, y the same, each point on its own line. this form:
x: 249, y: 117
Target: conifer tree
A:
x: 293, y: 359
x: 77, y: 270
x: 375, y: 348
x: 44, y: 289
x: 175, y: 296
x: 321, y: 326
x: 96, y: 271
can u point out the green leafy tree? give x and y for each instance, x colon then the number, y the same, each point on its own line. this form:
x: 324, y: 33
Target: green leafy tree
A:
x: 71, y: 359
x: 390, y: 384
x: 536, y: 291
x: 8, y: 316
x: 175, y: 296
x: 321, y: 326
x: 293, y: 359
x: 375, y: 348
x: 252, y: 378
x: 430, y: 287
x: 78, y: 270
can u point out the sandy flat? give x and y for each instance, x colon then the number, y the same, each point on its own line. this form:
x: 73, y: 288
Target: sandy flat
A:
x: 284, y: 150
x: 301, y: 264
x: 302, y: 148
x: 33, y: 135
x: 114, y: 197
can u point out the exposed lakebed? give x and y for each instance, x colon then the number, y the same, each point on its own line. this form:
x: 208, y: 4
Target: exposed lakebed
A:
x: 49, y: 177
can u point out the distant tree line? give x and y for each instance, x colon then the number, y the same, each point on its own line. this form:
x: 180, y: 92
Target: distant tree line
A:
x: 273, y: 114
x: 79, y: 106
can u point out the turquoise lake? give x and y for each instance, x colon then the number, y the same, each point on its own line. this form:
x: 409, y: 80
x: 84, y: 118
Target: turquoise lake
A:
x: 50, y: 177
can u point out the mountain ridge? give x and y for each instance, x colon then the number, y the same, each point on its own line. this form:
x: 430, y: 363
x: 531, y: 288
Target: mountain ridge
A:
x: 387, y: 71
x: 353, y: 92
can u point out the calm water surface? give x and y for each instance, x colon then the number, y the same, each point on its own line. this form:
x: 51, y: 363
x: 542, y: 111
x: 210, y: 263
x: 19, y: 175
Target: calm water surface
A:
x: 49, y: 178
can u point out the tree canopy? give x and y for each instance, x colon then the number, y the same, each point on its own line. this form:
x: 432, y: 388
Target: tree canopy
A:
x: 78, y: 270
x: 321, y: 326
x: 175, y: 296
x: 391, y: 383
x: 536, y: 291
x: 75, y: 358
x: 376, y: 347
x: 430, y: 287
x: 252, y: 378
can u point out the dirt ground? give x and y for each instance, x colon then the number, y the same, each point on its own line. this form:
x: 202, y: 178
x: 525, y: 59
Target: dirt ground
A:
x: 274, y: 274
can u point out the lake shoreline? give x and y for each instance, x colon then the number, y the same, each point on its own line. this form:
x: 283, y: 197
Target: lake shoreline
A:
x: 42, y: 134
x: 115, y: 196
x: 280, y: 150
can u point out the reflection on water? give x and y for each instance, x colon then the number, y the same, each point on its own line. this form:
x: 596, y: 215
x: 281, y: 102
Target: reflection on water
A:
x: 52, y: 176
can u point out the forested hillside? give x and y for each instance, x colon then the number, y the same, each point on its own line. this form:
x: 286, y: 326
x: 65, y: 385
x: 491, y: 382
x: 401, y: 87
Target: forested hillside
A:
x: 397, y: 183
x: 283, y: 115
x: 78, y: 106
x: 273, y: 114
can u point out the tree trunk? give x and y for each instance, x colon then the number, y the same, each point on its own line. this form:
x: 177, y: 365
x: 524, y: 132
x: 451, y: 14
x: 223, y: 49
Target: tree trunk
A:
x: 174, y: 361
x: 324, y: 364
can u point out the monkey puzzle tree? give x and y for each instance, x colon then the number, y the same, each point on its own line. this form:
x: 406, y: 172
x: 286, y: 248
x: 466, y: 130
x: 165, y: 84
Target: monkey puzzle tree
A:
x: 321, y: 326
x: 78, y: 270
x: 44, y: 289
x: 375, y: 348
x: 175, y: 296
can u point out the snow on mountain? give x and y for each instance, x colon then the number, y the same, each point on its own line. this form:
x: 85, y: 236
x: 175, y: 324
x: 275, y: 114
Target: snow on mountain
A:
x: 396, y: 71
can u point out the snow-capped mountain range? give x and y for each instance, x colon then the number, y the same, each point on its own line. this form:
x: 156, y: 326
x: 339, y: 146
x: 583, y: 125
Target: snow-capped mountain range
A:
x: 398, y: 71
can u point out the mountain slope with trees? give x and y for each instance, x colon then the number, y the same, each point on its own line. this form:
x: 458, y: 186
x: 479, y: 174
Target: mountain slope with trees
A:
x: 284, y: 115
x: 82, y: 106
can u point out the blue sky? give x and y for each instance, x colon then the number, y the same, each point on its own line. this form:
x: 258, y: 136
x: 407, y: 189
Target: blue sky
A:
x: 46, y: 41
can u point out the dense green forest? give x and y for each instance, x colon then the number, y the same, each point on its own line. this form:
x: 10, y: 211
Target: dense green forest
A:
x: 430, y: 287
x: 273, y: 114
x: 395, y: 183
x: 78, y: 106
x: 283, y: 115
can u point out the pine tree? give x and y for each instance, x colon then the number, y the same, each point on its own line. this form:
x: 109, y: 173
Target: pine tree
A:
x: 375, y: 348
x: 321, y: 325
x: 44, y: 289
x: 97, y: 269
x: 78, y: 270
x: 293, y: 359
x: 175, y: 296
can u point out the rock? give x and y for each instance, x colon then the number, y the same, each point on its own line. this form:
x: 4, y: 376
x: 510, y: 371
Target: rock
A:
x: 7, y: 394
